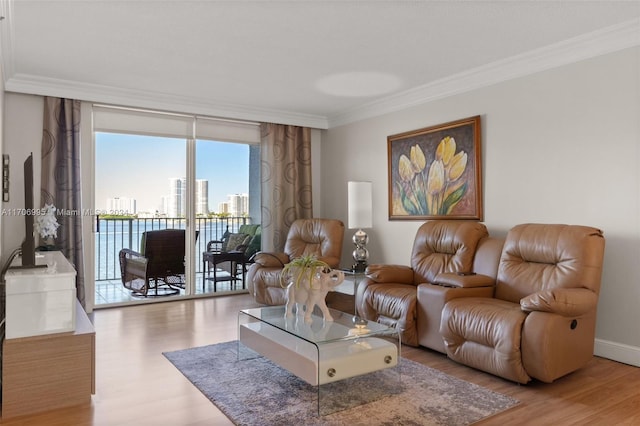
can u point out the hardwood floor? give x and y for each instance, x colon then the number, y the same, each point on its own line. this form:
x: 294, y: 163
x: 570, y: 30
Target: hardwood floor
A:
x: 136, y: 385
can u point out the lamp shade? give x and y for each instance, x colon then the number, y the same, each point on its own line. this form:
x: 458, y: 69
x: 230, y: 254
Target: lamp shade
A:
x: 360, y: 205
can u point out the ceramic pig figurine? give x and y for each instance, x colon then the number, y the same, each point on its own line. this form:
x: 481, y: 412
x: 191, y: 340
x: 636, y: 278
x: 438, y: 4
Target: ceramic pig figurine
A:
x: 312, y: 295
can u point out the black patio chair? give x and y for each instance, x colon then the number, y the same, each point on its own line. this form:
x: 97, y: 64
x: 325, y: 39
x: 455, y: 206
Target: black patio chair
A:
x: 159, y: 265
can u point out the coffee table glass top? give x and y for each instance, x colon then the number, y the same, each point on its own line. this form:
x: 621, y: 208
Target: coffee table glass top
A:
x: 318, y: 331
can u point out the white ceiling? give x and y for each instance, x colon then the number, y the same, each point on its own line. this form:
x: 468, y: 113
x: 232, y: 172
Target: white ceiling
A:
x: 317, y: 63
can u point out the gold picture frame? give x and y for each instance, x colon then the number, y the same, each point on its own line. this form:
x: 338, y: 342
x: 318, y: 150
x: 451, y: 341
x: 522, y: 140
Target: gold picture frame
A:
x: 436, y: 172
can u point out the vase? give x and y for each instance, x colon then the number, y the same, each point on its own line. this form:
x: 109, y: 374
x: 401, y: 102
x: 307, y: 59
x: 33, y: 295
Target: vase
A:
x: 47, y: 244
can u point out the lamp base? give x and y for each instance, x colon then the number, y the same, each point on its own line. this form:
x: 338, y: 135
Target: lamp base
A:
x: 359, y: 266
x: 360, y: 254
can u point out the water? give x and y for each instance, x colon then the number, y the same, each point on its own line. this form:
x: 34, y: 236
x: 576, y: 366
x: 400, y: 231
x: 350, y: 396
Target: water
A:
x: 116, y: 234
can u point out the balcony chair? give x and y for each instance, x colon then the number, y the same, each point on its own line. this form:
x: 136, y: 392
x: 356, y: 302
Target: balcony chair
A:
x: 159, y: 266
x: 322, y: 237
x: 231, y: 254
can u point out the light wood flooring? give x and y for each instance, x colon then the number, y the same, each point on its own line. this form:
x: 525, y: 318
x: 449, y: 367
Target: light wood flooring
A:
x: 136, y: 385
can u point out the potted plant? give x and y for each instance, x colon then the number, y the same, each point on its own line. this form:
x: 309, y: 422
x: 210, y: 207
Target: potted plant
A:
x: 308, y: 280
x: 302, y: 268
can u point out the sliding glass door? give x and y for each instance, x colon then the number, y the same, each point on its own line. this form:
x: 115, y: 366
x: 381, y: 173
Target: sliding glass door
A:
x: 158, y: 171
x: 221, y: 208
x: 140, y: 186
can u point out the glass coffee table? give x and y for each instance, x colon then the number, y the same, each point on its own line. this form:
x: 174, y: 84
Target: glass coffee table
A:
x: 326, y: 354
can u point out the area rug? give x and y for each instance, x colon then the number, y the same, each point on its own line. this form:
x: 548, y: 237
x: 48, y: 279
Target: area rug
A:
x: 258, y: 392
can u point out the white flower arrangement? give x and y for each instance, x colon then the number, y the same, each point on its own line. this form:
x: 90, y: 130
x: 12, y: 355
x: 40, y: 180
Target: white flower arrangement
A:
x: 46, y: 223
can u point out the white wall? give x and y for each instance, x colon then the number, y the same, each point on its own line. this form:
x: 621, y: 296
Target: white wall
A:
x: 23, y: 115
x: 561, y: 146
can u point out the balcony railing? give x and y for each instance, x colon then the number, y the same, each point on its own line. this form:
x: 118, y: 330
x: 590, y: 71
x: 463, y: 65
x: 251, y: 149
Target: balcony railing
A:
x: 114, y: 234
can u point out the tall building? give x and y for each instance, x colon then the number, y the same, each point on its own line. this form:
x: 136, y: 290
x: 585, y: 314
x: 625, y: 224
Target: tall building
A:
x: 121, y: 205
x: 223, y: 207
x: 177, y: 198
x: 176, y: 201
x: 202, y: 197
x: 238, y: 204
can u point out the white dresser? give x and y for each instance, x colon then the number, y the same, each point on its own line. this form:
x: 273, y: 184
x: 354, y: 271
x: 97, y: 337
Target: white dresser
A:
x: 48, y: 359
x: 41, y: 300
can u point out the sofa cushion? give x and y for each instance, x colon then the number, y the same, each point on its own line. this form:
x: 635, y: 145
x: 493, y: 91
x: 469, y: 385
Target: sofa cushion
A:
x: 485, y: 333
x: 236, y: 240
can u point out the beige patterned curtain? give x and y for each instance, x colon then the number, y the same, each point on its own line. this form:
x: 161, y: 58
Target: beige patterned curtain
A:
x: 286, y: 181
x: 60, y: 182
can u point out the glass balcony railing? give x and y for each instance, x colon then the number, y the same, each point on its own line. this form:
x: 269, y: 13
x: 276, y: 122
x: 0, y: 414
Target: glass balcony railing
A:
x: 114, y: 234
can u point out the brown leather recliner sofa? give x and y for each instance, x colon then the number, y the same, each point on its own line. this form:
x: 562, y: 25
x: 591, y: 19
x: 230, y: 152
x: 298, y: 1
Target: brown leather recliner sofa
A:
x: 389, y: 292
x: 322, y: 237
x: 525, y: 309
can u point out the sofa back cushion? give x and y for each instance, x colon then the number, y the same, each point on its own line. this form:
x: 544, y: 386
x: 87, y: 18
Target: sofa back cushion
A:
x: 545, y: 256
x: 321, y: 237
x: 249, y: 229
x: 254, y: 245
x: 164, y: 250
x: 235, y: 241
x: 487, y: 257
x: 445, y: 246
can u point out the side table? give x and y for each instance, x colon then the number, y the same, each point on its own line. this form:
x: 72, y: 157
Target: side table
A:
x: 343, y: 298
x: 235, y: 257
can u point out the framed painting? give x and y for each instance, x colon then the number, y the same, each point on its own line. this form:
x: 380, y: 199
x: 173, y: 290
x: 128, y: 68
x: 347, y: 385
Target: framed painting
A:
x: 435, y: 172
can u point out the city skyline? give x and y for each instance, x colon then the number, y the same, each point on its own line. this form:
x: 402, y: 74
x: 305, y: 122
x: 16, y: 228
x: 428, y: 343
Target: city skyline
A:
x: 137, y: 167
x: 174, y: 204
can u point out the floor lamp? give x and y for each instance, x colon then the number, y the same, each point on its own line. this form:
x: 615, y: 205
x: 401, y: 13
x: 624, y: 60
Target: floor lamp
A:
x: 360, y: 216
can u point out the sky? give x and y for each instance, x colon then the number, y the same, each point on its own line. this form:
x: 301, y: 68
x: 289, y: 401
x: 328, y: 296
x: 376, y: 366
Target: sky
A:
x: 140, y: 167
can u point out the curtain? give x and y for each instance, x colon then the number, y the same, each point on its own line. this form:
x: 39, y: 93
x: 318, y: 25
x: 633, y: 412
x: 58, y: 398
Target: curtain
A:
x: 285, y: 181
x: 60, y: 180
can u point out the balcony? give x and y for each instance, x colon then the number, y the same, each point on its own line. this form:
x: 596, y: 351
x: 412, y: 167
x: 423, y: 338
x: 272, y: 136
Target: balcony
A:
x: 113, y: 234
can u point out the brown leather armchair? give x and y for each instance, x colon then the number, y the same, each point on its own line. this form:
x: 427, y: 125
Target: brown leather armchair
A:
x: 540, y: 323
x: 322, y: 237
x: 389, y: 292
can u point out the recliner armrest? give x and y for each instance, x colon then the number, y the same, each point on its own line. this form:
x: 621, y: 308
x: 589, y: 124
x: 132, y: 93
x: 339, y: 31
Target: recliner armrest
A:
x: 569, y: 302
x: 271, y: 260
x: 390, y: 273
x: 453, y: 279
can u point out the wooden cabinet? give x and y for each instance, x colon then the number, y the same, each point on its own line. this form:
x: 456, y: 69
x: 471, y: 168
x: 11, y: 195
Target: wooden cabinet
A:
x: 50, y: 371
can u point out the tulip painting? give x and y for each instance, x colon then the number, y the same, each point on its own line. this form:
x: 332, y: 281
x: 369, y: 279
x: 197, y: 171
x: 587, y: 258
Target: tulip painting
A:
x: 434, y: 175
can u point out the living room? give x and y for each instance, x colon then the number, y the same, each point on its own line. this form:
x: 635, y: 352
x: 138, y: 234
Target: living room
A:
x: 560, y: 134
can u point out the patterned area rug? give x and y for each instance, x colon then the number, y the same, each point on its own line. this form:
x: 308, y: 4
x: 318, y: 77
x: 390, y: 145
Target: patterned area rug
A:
x: 258, y: 392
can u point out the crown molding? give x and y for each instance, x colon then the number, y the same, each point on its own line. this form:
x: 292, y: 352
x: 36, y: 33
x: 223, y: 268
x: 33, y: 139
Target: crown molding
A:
x: 35, y: 85
x: 607, y: 40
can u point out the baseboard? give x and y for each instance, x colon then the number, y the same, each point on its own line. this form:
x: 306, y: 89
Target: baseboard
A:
x: 617, y: 352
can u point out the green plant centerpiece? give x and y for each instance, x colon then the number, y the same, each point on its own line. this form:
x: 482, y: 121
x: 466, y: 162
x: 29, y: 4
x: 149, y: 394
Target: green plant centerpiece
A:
x: 308, y: 280
x: 303, y: 267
